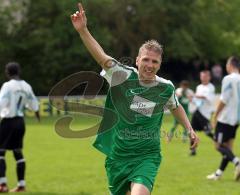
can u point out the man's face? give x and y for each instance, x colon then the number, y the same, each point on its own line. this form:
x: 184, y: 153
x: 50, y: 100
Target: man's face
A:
x: 148, y: 63
x: 205, y: 77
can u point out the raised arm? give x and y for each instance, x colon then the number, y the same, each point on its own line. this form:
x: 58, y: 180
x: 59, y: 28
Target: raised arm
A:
x: 79, y: 22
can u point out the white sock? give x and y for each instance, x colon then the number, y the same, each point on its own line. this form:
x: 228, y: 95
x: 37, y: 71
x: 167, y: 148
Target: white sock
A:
x: 236, y: 161
x: 3, y: 180
x: 219, y: 172
x: 22, y: 183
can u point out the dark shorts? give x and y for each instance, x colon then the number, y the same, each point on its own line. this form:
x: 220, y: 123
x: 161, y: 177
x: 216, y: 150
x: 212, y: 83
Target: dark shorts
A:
x: 11, y: 133
x: 224, y: 132
x: 200, y: 123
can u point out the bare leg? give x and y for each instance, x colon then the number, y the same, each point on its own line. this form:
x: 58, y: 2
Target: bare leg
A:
x: 139, y: 189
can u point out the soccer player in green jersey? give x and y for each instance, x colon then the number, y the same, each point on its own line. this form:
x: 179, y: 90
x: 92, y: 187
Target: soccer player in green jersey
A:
x: 184, y: 95
x: 138, y: 98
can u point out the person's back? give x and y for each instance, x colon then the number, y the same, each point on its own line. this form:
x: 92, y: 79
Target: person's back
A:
x: 16, y: 95
x: 231, y: 97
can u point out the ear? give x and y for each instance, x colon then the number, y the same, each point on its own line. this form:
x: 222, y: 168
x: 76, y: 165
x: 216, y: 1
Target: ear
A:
x: 137, y: 61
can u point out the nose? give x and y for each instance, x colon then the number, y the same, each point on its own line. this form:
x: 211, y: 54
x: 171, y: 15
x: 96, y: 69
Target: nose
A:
x: 149, y: 64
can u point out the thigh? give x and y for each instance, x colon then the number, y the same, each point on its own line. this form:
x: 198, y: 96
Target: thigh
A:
x: 12, y: 133
x: 224, y: 133
x: 139, y: 189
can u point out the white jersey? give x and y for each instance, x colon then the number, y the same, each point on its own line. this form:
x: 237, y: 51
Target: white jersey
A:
x: 230, y: 96
x: 15, y: 96
x: 205, y: 106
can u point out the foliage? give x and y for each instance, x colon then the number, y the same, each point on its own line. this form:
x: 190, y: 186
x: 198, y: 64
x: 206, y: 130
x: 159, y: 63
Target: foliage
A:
x: 49, y: 49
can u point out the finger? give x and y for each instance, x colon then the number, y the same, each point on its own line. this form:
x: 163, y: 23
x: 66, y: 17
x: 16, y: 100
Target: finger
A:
x: 194, y: 145
x: 72, y: 17
x: 80, y: 7
x: 77, y: 13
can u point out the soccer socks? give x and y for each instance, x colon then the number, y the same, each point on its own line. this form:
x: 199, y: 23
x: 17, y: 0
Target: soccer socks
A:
x: 229, y: 155
x: 223, y: 164
x: 20, y: 161
x: 2, y: 167
x: 226, y: 152
x: 21, y: 172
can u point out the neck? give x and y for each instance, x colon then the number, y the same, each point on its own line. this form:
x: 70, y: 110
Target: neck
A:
x: 15, y: 77
x: 235, y: 71
x: 147, y: 81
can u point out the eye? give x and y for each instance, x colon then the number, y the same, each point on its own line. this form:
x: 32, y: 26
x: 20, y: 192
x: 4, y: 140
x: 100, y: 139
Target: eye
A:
x: 155, y: 61
x: 145, y: 59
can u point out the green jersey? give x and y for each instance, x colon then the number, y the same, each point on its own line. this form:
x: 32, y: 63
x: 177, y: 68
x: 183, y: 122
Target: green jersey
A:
x: 139, y: 110
x: 183, y: 97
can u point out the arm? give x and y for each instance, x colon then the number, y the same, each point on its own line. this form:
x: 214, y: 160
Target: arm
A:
x: 79, y: 22
x: 181, y: 116
x: 201, y: 97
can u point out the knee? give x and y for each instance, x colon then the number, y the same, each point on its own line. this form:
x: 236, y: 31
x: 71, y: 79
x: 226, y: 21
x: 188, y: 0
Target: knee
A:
x: 18, y: 155
x: 217, y: 146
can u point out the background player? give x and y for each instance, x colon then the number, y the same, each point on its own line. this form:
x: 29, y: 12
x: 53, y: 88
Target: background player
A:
x: 15, y: 95
x: 184, y: 94
x: 228, y: 117
x: 204, y: 101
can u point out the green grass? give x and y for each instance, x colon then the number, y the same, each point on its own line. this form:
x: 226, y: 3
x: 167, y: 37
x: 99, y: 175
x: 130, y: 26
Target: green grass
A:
x: 56, y: 165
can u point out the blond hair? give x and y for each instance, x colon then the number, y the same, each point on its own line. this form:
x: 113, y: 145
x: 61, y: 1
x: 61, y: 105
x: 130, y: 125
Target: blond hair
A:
x: 151, y: 45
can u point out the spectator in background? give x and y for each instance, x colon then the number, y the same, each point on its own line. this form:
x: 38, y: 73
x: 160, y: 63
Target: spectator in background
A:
x: 217, y: 73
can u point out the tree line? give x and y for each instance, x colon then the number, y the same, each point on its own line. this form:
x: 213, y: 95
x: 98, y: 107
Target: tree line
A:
x: 44, y: 42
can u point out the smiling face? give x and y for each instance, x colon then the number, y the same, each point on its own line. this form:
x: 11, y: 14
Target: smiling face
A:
x: 148, y: 63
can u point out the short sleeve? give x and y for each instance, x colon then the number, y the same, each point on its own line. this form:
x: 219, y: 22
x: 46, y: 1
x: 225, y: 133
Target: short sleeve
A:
x: 173, y: 102
x: 226, y: 90
x: 4, y: 96
x: 117, y: 74
x: 32, y: 102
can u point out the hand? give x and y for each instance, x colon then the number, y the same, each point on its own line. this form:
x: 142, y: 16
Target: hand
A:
x: 194, y: 139
x: 79, y: 19
x: 38, y: 116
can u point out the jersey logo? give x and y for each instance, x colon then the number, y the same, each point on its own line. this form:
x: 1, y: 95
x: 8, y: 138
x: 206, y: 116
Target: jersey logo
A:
x: 142, y: 106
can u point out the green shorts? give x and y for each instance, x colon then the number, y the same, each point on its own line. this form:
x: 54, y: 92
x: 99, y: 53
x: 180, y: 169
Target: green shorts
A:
x: 121, y: 173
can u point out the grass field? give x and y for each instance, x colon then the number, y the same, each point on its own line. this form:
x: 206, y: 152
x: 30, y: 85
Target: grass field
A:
x: 56, y: 165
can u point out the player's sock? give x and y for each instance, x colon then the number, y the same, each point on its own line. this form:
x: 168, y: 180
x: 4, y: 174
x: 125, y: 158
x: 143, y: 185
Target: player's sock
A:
x: 2, y: 166
x: 226, y: 152
x: 236, y: 161
x: 20, y: 169
x: 21, y: 183
x: 224, y: 163
x: 219, y: 172
x: 20, y: 165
